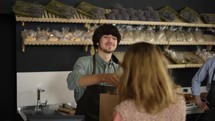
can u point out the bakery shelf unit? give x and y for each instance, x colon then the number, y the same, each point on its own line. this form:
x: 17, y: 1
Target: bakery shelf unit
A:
x: 120, y: 56
x: 78, y: 18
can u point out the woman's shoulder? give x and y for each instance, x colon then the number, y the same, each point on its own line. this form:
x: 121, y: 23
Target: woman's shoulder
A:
x: 178, y: 109
x: 179, y: 104
x: 123, y: 103
x: 128, y: 111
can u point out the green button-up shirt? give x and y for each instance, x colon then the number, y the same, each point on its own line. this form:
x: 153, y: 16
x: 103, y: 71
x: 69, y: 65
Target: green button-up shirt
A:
x: 84, y: 66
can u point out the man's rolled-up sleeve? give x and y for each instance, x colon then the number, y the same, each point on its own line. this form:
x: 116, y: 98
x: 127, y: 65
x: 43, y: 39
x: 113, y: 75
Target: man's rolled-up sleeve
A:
x: 198, y: 78
x: 73, y: 77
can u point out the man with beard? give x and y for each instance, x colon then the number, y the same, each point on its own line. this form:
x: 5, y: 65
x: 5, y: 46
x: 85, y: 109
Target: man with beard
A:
x: 96, y: 74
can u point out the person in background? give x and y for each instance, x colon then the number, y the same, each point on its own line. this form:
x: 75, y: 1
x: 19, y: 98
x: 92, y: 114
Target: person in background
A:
x: 95, y: 74
x: 146, y: 90
x: 206, y: 72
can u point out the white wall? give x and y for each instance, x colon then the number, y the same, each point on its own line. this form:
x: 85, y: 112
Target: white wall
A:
x: 54, y: 83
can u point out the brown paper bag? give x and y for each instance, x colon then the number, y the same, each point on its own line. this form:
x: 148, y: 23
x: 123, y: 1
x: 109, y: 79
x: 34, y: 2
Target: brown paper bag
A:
x: 107, y: 105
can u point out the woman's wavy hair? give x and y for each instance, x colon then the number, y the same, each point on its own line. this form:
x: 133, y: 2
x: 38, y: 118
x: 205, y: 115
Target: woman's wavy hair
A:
x: 146, y: 78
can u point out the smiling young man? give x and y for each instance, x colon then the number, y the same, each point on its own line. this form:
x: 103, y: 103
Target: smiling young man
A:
x: 95, y: 74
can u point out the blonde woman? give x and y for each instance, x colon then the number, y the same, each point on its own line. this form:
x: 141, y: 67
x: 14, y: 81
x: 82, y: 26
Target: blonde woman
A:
x: 146, y: 90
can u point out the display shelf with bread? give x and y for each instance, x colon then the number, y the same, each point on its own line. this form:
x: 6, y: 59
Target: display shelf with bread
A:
x: 34, y: 42
x: 82, y: 15
x: 189, y: 59
x: 129, y: 36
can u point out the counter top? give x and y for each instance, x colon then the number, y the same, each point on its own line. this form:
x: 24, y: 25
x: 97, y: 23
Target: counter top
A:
x: 193, y: 109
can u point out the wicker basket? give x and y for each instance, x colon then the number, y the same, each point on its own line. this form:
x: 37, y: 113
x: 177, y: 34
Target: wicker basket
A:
x: 86, y: 9
x: 208, y: 18
x: 171, y: 12
x: 59, y: 8
x: 191, y: 15
x: 21, y: 8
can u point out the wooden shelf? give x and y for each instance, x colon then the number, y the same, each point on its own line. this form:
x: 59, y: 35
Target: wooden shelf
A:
x: 81, y: 42
x: 175, y: 66
x: 120, y: 56
x: 121, y: 43
x: 58, y: 43
x: 192, y: 43
x: 192, y: 65
x: 79, y: 18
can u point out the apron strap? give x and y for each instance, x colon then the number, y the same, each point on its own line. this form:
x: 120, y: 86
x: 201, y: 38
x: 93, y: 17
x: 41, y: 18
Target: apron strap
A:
x: 209, y: 114
x: 213, y: 76
x: 94, y: 64
x: 210, y: 95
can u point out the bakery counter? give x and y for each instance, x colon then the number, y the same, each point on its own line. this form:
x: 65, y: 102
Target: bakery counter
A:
x: 192, y: 109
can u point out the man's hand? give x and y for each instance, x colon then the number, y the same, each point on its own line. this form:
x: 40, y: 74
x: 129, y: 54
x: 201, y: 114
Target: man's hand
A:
x: 201, y: 104
x: 111, y: 78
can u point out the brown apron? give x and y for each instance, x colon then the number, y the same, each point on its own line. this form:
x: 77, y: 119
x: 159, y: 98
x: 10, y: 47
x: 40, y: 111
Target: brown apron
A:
x: 88, y: 104
x: 209, y: 114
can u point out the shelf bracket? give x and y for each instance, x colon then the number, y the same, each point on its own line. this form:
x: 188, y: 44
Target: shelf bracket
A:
x: 92, y: 50
x: 166, y: 46
x: 86, y: 48
x: 23, y: 48
x: 23, y: 23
